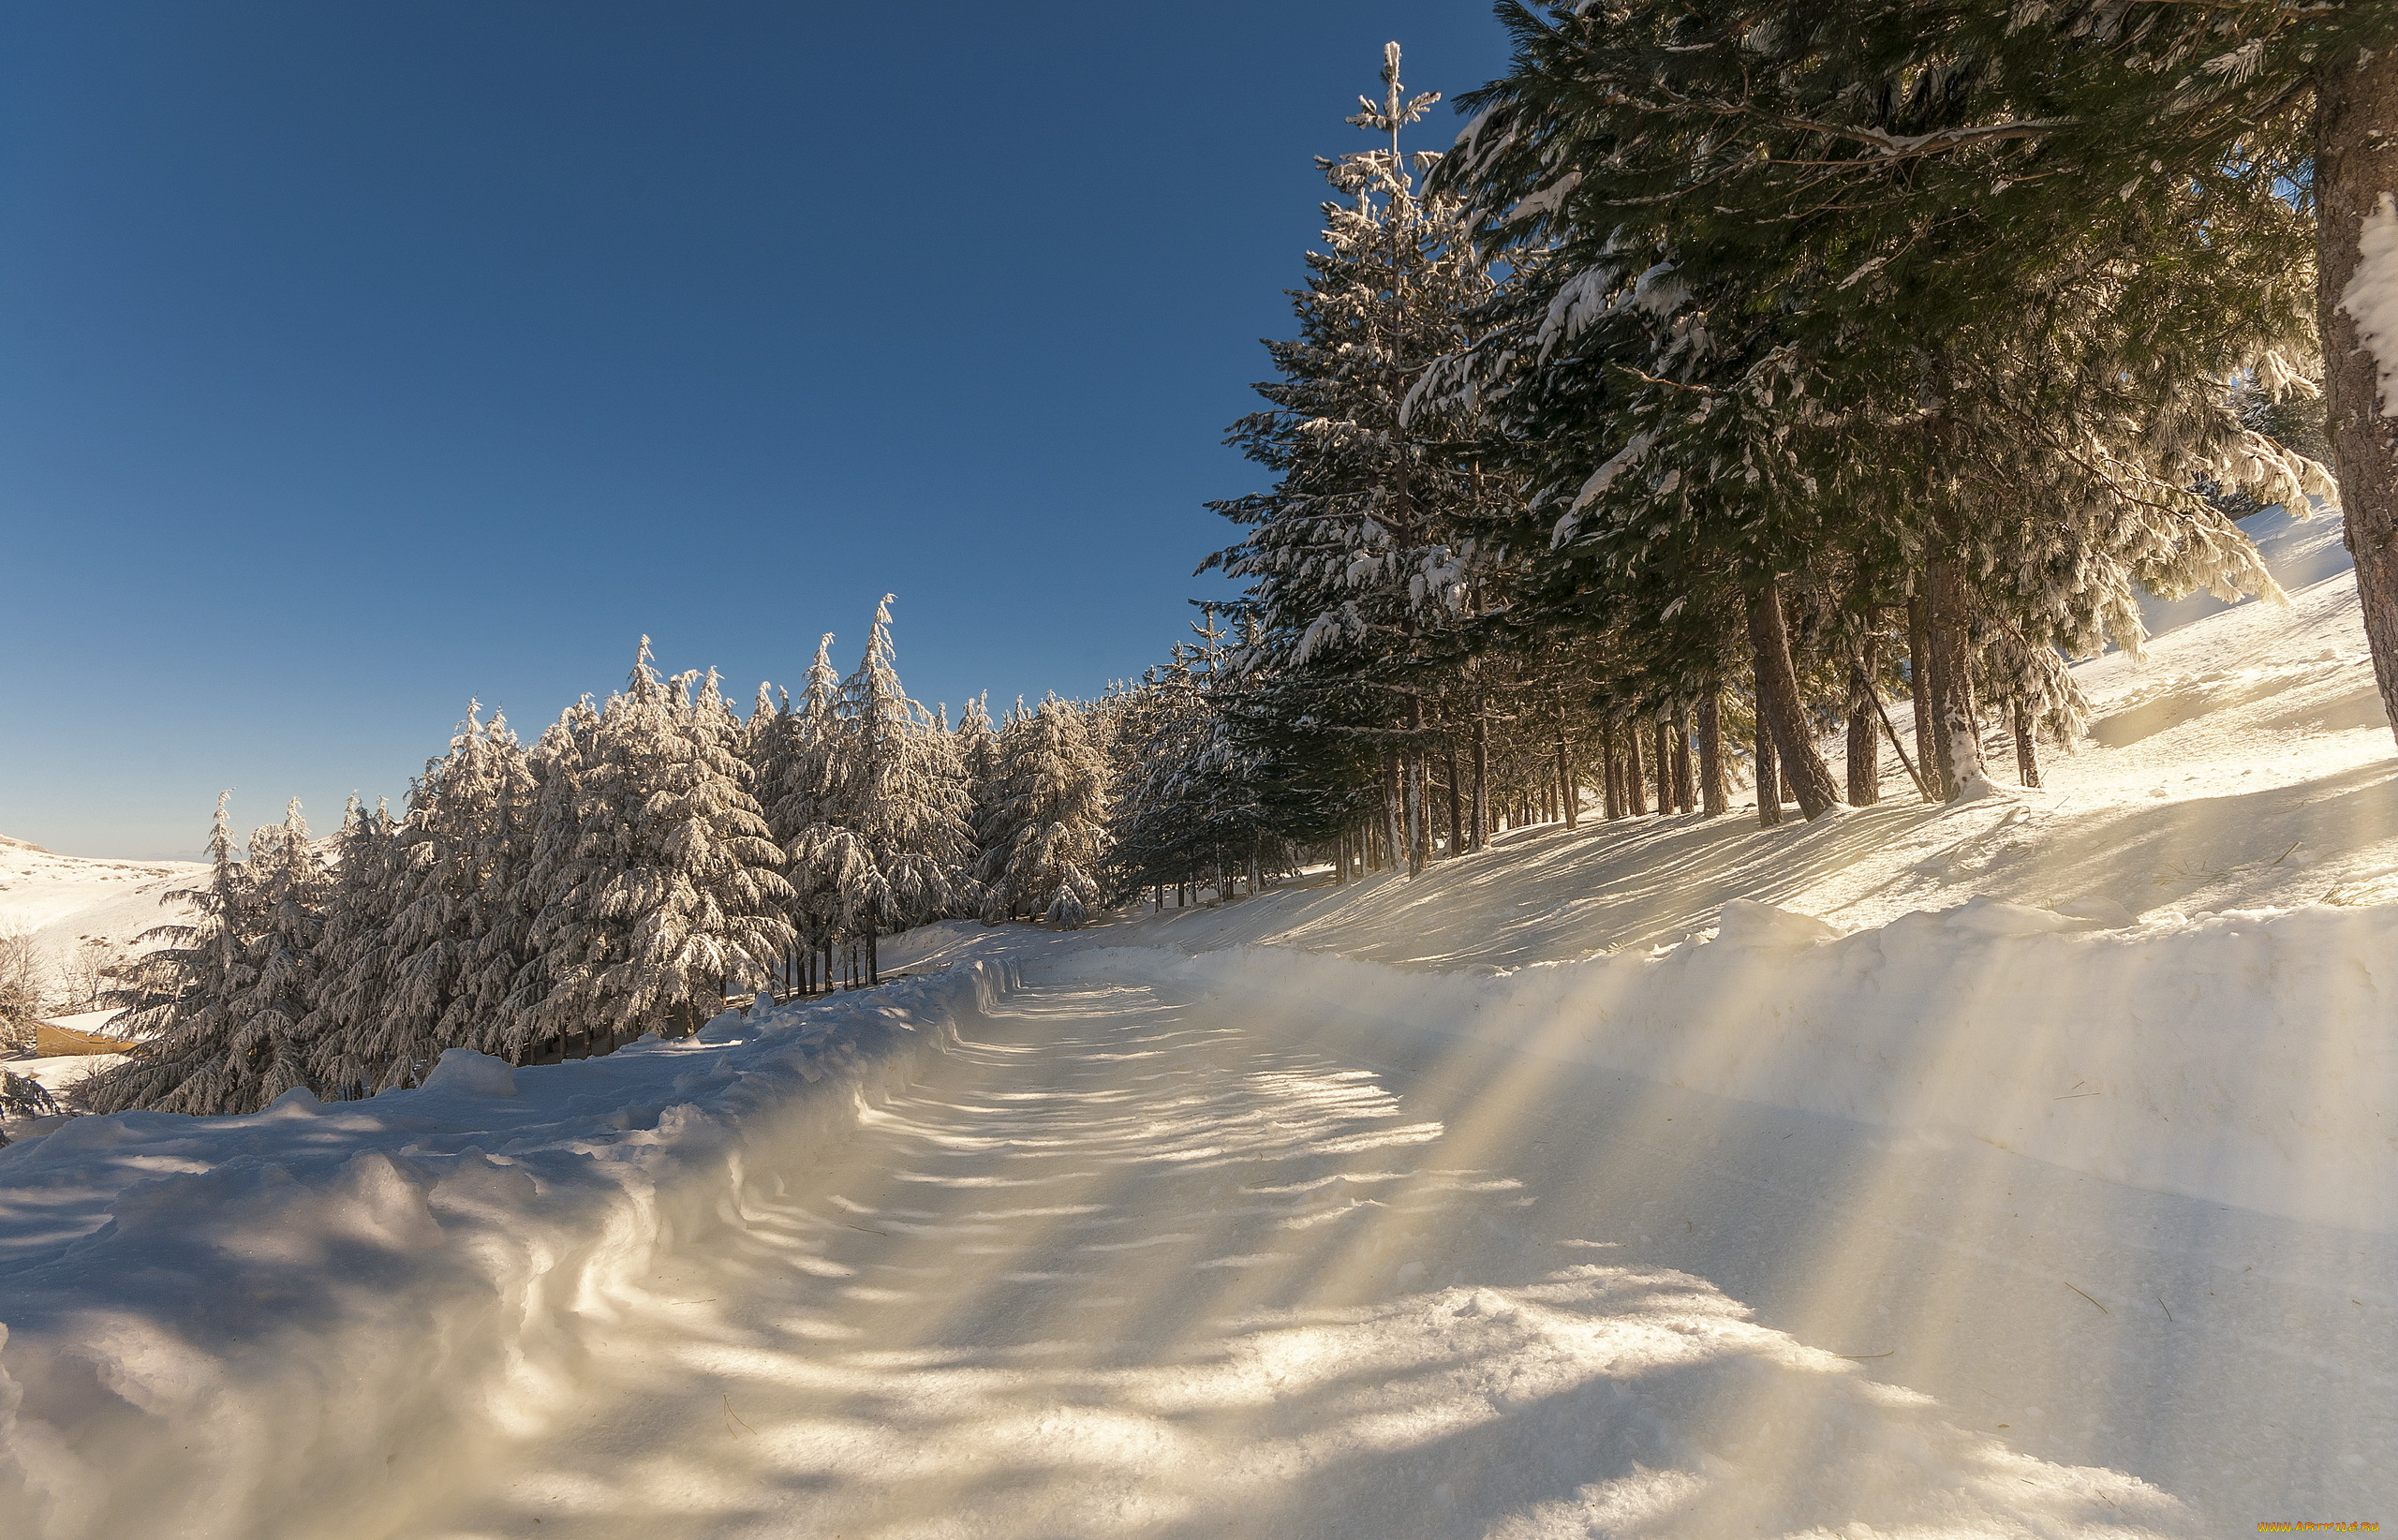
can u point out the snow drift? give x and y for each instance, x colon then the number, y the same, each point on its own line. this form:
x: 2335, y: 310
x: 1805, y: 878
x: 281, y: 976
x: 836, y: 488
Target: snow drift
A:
x: 2242, y: 1058
x: 214, y: 1325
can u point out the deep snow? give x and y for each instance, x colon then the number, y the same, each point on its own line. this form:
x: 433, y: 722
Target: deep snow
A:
x: 2016, y: 1168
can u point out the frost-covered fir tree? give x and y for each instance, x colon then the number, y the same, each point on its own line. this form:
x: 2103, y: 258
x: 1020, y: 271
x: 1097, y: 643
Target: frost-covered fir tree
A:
x: 217, y: 1011
x: 1048, y: 843
x: 290, y: 881
x: 902, y: 796
x: 353, y: 950
x: 1362, y: 560
x: 178, y: 998
x: 1716, y: 372
x: 661, y: 893
x: 803, y: 785
x: 977, y: 756
x: 454, y: 936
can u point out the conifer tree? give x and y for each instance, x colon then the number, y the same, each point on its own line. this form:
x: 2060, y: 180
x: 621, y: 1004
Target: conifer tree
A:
x: 216, y: 1013
x: 662, y: 892
x: 1362, y: 559
x: 354, y: 964
x: 1049, y: 839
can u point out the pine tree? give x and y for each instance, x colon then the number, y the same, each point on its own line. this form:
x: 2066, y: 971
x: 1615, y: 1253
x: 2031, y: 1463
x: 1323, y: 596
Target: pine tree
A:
x: 1049, y: 840
x: 903, y: 798
x: 1364, y: 558
x: 353, y: 951
x: 1725, y: 381
x: 830, y: 870
x: 662, y: 891
x: 217, y: 1013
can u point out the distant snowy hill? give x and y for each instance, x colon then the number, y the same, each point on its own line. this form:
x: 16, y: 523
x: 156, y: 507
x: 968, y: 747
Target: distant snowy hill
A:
x: 63, y: 900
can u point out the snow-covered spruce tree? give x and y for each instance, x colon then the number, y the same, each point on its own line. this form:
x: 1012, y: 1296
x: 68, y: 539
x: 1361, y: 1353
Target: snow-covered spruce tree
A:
x: 501, y: 975
x: 662, y: 891
x: 1861, y: 372
x: 1160, y: 832
x: 292, y: 883
x: 1048, y: 843
x: 452, y: 884
x: 353, y: 951
x: 805, y: 781
x: 977, y: 748
x: 1363, y: 555
x: 904, y: 797
x: 217, y: 1013
x: 177, y: 999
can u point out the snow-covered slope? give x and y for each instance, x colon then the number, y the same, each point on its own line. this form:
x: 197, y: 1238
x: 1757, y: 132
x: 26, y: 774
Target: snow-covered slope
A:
x: 2244, y: 765
x: 63, y: 901
x: 2022, y: 1168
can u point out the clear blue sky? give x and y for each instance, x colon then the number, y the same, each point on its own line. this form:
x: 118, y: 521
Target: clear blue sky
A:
x: 357, y: 359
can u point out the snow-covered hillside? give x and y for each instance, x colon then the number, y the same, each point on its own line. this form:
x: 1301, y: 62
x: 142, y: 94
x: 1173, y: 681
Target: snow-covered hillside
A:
x: 66, y: 902
x: 2025, y: 1167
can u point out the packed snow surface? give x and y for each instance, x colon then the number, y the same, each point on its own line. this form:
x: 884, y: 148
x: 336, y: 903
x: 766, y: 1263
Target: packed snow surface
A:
x: 2023, y: 1167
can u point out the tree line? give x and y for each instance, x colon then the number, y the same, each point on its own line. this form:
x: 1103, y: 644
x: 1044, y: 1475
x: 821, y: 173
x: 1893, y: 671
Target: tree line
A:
x: 646, y: 859
x: 1744, y: 368
x: 1741, y: 370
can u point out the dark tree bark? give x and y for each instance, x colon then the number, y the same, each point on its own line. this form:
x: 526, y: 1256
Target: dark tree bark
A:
x: 1714, y: 788
x: 1926, y: 750
x: 1784, y: 713
x: 1685, y: 785
x: 2355, y: 176
x: 1636, y: 790
x: 2027, y: 757
x: 1456, y: 807
x: 1663, y: 744
x: 1956, y: 735
x: 1864, y: 747
x: 1567, y: 790
x: 1612, y: 782
x: 1769, y: 780
x: 1419, y: 833
x: 1481, y: 778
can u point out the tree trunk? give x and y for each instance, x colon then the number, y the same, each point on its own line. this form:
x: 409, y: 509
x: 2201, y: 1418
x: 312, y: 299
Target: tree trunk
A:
x: 1779, y: 703
x: 1714, y: 789
x: 1864, y: 747
x: 1769, y: 780
x: 1957, y: 735
x: 2355, y: 178
x: 1611, y: 777
x: 1481, y: 778
x: 1685, y: 787
x: 1635, y: 788
x: 2027, y: 757
x: 1927, y: 748
x: 1456, y: 804
x: 1392, y: 811
x: 1661, y: 745
x: 1419, y: 836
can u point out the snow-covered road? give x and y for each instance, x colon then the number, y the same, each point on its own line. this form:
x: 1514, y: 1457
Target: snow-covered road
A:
x: 1133, y: 1264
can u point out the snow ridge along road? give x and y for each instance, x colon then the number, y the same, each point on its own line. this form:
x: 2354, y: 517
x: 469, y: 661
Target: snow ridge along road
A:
x: 1123, y: 1265
x: 1071, y: 1240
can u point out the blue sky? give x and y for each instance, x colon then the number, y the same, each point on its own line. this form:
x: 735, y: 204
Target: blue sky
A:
x: 360, y: 360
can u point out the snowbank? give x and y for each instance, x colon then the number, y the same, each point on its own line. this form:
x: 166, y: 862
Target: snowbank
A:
x: 214, y: 1325
x: 2242, y: 1058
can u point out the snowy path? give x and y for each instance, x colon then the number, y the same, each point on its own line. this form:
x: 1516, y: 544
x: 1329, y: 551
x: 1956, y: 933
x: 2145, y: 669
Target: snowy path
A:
x: 1133, y: 1266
